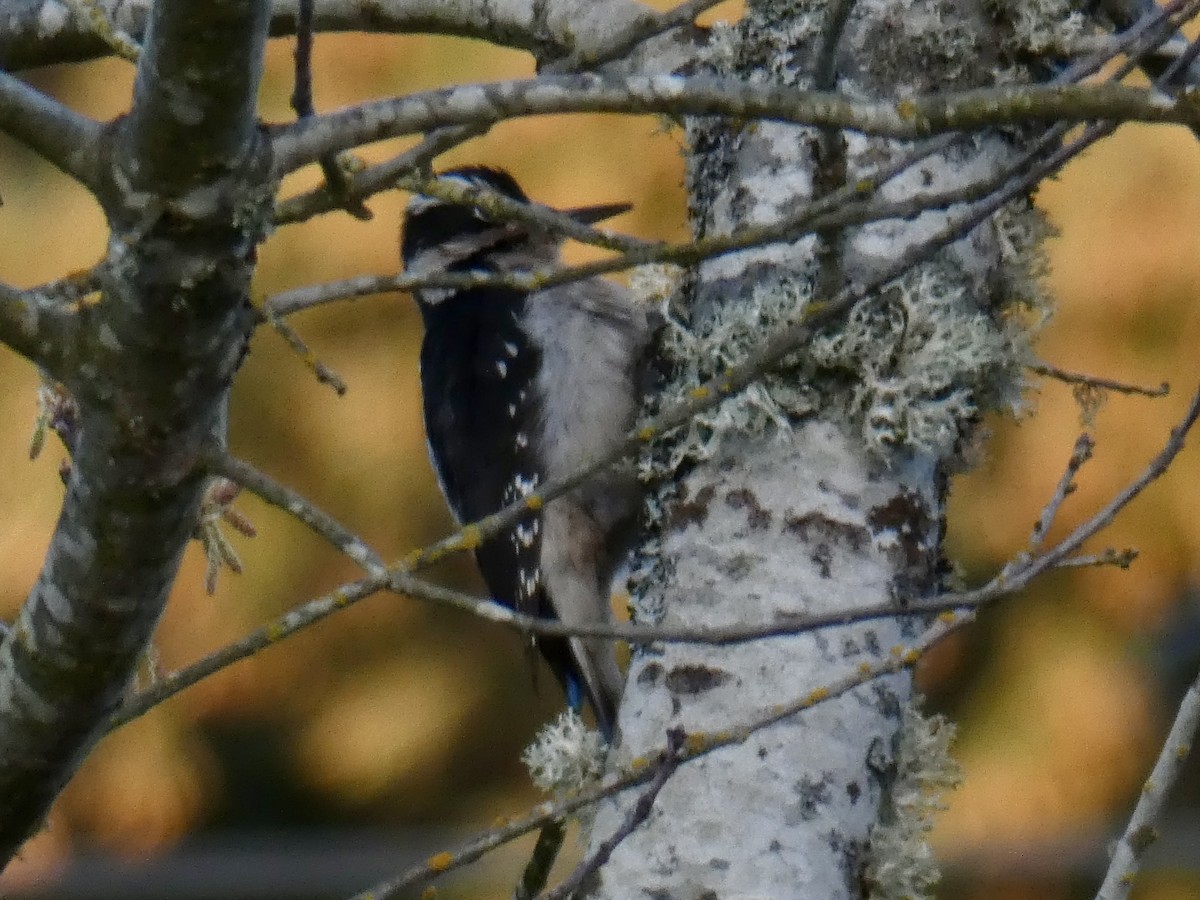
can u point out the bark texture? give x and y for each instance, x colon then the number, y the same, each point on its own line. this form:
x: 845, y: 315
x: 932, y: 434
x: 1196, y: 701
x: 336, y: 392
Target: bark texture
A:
x: 821, y: 488
x: 42, y: 32
x: 184, y: 182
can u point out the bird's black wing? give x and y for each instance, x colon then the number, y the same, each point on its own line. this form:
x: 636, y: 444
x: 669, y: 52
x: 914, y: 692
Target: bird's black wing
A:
x: 480, y: 420
x: 478, y: 388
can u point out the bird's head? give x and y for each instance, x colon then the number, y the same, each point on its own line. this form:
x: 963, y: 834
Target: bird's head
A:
x: 443, y: 236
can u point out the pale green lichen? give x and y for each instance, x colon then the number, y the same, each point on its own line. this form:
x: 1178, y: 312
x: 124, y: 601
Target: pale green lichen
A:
x: 1041, y: 27
x: 912, y: 369
x: 900, y: 862
x: 768, y: 45
x: 1022, y: 231
x: 926, y: 359
x: 566, y: 755
x: 725, y: 340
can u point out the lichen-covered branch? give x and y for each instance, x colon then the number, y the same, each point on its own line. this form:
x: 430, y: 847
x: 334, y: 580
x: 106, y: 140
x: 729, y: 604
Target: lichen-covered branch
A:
x: 185, y: 187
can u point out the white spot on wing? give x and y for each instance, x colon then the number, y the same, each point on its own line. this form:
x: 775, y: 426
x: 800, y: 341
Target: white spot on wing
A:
x: 529, y: 581
x: 526, y: 534
x: 502, y: 368
x: 525, y: 486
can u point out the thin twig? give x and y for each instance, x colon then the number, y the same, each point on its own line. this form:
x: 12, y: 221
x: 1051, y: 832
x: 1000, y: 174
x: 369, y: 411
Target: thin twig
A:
x: 1141, y: 831
x: 284, y: 498
x: 291, y: 337
x: 637, y: 814
x: 1082, y: 452
x: 417, y: 159
x: 302, y: 102
x: 1121, y: 559
x: 1049, y: 370
x: 501, y: 207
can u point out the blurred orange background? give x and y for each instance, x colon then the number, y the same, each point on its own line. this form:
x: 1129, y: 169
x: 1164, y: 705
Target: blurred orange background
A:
x: 394, y: 714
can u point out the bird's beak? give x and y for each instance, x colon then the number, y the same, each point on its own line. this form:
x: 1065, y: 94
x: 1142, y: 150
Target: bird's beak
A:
x: 590, y: 215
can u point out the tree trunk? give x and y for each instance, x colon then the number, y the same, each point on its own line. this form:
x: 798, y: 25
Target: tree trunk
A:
x: 821, y: 488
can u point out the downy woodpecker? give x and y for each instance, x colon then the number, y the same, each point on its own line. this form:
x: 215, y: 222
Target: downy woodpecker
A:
x: 520, y: 388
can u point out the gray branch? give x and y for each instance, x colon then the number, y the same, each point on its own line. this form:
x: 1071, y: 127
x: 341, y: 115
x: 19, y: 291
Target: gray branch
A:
x: 59, y: 135
x: 186, y: 192
x: 304, y: 142
x: 38, y: 327
x: 41, y: 32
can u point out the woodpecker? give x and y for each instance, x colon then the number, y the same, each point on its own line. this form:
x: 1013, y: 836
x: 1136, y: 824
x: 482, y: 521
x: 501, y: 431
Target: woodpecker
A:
x: 519, y: 388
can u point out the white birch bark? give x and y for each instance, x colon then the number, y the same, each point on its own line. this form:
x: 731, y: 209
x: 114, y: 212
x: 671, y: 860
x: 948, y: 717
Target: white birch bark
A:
x: 821, y: 489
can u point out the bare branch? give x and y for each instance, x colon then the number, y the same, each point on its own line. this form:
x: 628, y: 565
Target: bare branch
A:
x: 1121, y: 559
x: 40, y: 32
x: 644, y: 770
x: 151, y: 376
x: 304, y: 142
x: 1140, y: 832
x: 1084, y: 446
x: 260, y: 638
x: 383, y: 176
x: 1049, y: 370
x: 291, y: 337
x: 39, y: 327
x: 57, y: 134
x: 637, y: 814
x: 295, y: 505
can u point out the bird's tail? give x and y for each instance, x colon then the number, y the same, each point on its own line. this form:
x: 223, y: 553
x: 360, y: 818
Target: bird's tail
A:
x: 601, y: 680
x: 572, y: 548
